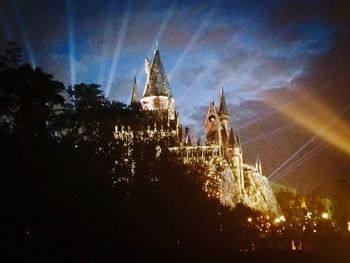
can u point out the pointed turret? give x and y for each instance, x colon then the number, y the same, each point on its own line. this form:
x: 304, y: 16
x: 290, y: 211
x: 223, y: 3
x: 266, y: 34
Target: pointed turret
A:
x: 157, y: 84
x: 222, y: 106
x: 212, y: 121
x: 188, y: 141
x: 231, y: 139
x: 238, y: 141
x: 224, y: 117
x: 134, y: 98
x: 212, y: 126
x: 258, y: 164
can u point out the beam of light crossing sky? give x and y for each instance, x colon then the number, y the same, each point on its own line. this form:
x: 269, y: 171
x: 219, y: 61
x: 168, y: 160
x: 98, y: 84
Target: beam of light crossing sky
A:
x: 118, y: 46
x: 314, y: 116
x: 24, y: 35
x: 267, y: 134
x: 313, y: 138
x: 190, y: 44
x: 71, y: 46
x: 204, y: 73
x: 109, y: 27
x: 299, y: 162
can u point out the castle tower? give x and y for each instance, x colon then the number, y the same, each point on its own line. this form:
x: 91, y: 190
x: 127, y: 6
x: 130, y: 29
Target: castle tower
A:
x: 231, y: 139
x: 224, y: 117
x: 212, y: 126
x: 134, y: 98
x: 258, y: 164
x: 237, y: 158
x: 157, y: 93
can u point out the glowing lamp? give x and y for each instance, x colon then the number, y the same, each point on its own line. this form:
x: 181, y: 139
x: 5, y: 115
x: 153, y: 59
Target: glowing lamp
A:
x: 325, y: 215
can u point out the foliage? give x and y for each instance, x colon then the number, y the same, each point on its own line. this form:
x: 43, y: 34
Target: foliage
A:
x: 68, y: 187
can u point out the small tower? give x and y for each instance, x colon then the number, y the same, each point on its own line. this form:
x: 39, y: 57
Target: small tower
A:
x: 223, y: 113
x: 134, y: 98
x: 157, y: 93
x: 258, y: 164
x: 212, y: 126
x: 237, y: 158
x: 188, y: 141
x: 231, y: 139
x: 157, y: 96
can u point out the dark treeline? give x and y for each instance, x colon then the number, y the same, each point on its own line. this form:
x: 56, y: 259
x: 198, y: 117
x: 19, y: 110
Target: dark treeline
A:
x: 67, y: 193
x: 66, y: 187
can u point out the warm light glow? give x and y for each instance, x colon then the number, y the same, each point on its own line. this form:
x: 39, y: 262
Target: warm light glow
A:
x: 309, y: 214
x: 318, y: 118
x: 249, y: 219
x: 277, y: 220
x: 349, y: 226
x: 325, y: 215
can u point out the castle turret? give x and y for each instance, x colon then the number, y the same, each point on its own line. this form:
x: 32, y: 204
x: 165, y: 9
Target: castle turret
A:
x: 258, y: 164
x: 231, y: 139
x: 237, y: 159
x: 212, y: 126
x: 223, y: 113
x: 134, y: 98
x: 157, y: 93
x: 238, y: 140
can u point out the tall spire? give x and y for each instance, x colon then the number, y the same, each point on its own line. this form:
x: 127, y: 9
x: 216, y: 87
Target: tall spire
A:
x: 222, y: 106
x: 157, y: 84
x: 258, y: 164
x: 238, y: 141
x: 231, y: 139
x: 134, y: 98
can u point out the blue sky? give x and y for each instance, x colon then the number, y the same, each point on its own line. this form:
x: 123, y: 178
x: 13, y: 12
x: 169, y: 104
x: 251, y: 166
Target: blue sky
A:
x: 251, y: 47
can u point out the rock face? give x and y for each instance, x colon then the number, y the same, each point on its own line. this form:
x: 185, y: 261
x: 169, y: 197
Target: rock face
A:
x: 224, y: 183
x: 258, y: 193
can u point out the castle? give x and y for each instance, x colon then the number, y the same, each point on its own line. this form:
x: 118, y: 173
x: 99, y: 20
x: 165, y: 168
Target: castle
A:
x: 229, y: 179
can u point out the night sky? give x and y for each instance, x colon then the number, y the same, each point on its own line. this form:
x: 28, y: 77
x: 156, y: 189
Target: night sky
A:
x: 284, y: 66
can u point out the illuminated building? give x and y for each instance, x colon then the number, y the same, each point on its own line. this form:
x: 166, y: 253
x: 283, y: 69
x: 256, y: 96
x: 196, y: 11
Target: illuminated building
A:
x: 229, y: 179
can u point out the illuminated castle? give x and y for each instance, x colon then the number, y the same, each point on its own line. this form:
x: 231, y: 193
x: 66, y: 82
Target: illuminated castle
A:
x: 229, y: 179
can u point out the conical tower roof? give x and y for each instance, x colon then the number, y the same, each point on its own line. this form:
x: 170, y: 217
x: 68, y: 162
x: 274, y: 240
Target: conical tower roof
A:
x: 134, y: 98
x: 222, y: 106
x: 157, y: 84
x: 231, y: 139
x: 238, y: 141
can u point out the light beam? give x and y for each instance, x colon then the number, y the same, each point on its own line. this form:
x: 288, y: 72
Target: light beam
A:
x: 117, y: 49
x: 307, y: 156
x: 24, y: 34
x: 190, y: 44
x: 324, y: 132
x: 71, y: 47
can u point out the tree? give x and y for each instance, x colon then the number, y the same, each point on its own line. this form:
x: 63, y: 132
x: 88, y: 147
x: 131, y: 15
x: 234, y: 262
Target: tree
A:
x: 341, y: 193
